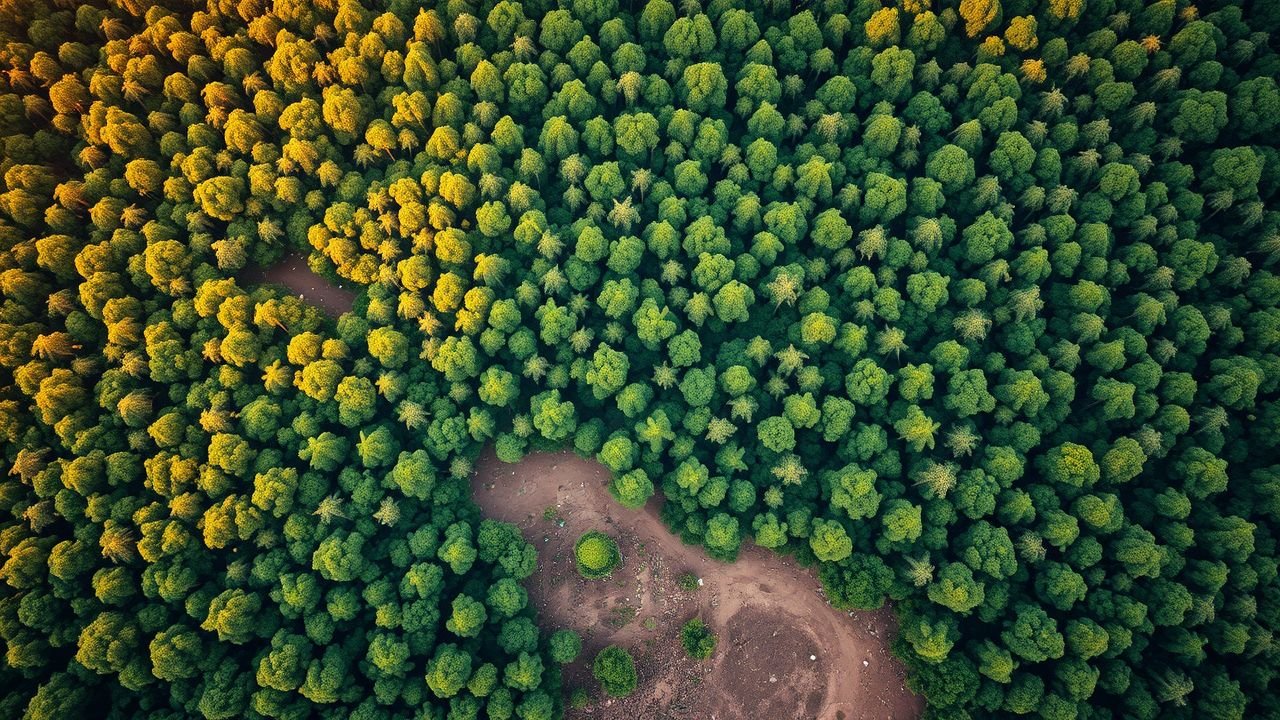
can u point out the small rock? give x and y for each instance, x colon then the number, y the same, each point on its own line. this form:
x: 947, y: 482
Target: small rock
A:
x: 813, y: 657
x: 865, y: 663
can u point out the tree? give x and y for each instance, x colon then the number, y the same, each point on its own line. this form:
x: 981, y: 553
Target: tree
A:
x: 565, y: 646
x: 956, y: 589
x: 723, y: 539
x: 829, y: 541
x: 951, y: 166
x: 498, y: 387
x: 702, y: 87
x: 456, y: 550
x: 607, y: 372
x: 233, y: 616
x: 989, y: 550
x: 967, y: 393
x: 830, y: 230
x: 1033, y: 635
x: 995, y: 662
x: 979, y: 15
x: 554, y: 418
x: 357, y: 401
x: 882, y: 27
x: 902, y: 521
x: 339, y: 557
x: 525, y: 673
x: 777, y: 434
x: 868, y: 384
x: 632, y: 489
x: 689, y: 37
x: 1013, y: 156
x: 468, y: 617
x: 176, y: 654
x: 615, y: 671
x: 738, y: 30
x: 987, y: 237
x: 1201, y: 115
x: 108, y: 643
x: 931, y: 642
x: 1072, y: 465
x: 853, y: 490
x: 917, y: 429
x: 1060, y: 586
x: 448, y: 670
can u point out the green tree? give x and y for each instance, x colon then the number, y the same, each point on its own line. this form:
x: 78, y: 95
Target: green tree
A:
x: 565, y: 646
x: 615, y: 671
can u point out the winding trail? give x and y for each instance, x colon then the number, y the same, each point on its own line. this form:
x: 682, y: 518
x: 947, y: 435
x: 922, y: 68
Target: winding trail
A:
x: 783, y: 651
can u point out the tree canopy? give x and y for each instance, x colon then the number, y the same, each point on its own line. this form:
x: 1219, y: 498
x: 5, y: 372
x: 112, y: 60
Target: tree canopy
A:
x: 972, y: 305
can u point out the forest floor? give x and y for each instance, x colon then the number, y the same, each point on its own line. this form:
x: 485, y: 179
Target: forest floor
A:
x: 292, y: 272
x: 783, y: 651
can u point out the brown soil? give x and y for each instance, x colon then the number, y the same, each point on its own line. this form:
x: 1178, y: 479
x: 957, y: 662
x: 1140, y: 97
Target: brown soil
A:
x: 783, y: 651
x: 292, y: 272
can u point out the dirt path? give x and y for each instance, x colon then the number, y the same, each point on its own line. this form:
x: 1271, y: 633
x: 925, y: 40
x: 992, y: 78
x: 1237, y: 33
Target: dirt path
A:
x: 292, y: 272
x: 783, y: 651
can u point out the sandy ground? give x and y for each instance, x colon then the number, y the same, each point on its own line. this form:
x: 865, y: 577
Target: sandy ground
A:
x: 292, y: 272
x: 783, y: 651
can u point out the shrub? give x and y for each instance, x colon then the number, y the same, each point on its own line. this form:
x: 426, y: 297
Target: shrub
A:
x: 697, y: 639
x: 615, y: 670
x: 597, y: 555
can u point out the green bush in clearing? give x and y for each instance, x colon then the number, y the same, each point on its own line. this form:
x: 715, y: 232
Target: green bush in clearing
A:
x: 615, y: 670
x: 698, y: 640
x: 597, y: 555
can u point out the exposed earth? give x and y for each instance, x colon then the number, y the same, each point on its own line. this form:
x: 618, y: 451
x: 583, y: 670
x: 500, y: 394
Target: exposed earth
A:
x: 783, y: 651
x: 292, y: 272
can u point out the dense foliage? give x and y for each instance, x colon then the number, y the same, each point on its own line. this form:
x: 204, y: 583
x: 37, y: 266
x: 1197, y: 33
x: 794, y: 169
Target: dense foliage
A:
x: 974, y: 305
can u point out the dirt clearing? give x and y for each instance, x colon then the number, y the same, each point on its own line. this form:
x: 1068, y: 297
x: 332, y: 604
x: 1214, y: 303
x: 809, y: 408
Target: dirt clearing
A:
x: 292, y: 272
x: 783, y: 652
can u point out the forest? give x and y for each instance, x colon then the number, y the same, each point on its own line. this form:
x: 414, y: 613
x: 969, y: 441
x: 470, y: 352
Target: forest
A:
x: 973, y: 306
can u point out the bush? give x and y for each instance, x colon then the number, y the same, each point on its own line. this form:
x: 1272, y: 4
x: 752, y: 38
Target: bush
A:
x: 615, y: 670
x: 697, y: 639
x: 597, y: 555
x: 565, y: 646
x: 687, y: 582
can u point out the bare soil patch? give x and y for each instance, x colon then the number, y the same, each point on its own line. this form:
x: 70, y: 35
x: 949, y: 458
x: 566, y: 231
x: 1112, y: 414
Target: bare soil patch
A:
x: 293, y: 272
x: 783, y: 651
